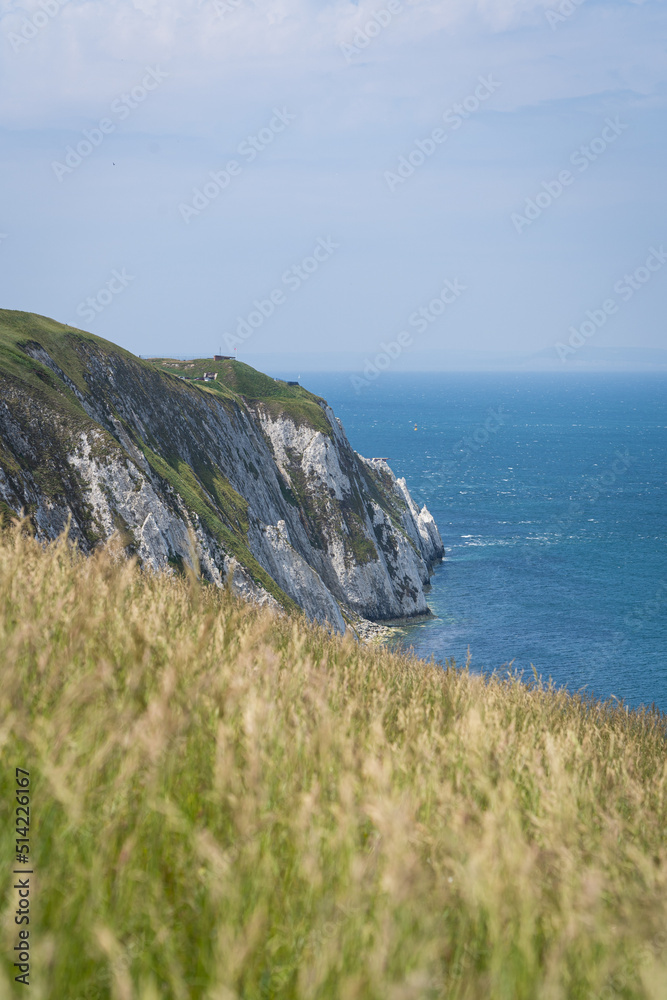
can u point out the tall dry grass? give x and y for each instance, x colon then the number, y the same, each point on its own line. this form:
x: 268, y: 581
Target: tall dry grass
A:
x: 227, y: 804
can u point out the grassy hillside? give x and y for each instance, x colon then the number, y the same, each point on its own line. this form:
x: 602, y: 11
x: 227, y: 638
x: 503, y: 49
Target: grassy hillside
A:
x: 68, y: 347
x: 237, y: 378
x: 226, y: 804
x: 29, y: 383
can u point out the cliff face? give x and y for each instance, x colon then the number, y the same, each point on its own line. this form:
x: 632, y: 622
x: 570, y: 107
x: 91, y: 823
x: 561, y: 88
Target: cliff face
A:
x: 252, y: 478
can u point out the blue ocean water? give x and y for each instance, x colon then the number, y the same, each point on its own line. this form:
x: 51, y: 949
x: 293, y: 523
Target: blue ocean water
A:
x: 550, y: 493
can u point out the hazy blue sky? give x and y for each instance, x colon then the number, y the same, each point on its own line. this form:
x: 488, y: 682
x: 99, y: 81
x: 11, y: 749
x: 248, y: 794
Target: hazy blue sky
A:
x: 316, y: 116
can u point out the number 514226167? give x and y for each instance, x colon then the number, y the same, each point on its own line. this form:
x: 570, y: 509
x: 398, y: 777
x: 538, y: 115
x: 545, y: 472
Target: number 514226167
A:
x: 22, y: 814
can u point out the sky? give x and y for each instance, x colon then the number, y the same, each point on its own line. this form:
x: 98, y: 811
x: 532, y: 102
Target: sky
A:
x: 374, y: 184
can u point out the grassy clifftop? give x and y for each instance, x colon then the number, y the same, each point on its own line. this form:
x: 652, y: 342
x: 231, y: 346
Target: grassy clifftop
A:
x: 229, y: 804
x: 238, y: 378
x: 68, y: 348
x: 58, y: 382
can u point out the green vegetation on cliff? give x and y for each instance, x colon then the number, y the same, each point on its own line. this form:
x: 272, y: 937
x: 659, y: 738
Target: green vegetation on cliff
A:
x: 237, y: 378
x: 70, y: 349
x: 54, y: 376
x: 230, y: 804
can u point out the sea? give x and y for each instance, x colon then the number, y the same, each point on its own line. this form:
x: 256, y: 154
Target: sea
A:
x: 550, y: 493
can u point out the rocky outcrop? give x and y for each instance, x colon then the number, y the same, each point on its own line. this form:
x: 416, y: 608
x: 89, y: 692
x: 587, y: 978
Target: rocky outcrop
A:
x: 259, y: 488
x: 366, y: 542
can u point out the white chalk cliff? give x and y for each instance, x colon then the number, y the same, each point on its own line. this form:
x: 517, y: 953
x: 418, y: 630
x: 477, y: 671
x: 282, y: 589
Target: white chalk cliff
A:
x: 260, y: 487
